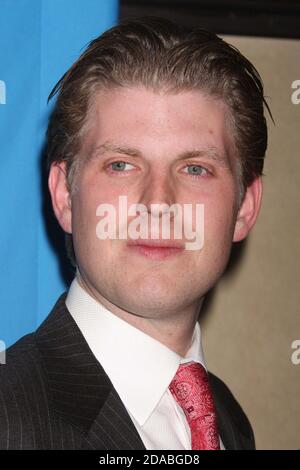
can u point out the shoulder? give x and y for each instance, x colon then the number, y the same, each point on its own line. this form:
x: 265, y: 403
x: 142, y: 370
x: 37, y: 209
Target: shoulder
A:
x: 34, y: 399
x: 231, y: 414
x: 22, y: 393
x: 22, y: 364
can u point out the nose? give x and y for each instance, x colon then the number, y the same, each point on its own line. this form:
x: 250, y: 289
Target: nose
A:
x: 158, y: 193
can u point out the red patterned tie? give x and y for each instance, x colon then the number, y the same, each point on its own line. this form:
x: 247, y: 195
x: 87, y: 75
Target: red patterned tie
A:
x: 191, y: 389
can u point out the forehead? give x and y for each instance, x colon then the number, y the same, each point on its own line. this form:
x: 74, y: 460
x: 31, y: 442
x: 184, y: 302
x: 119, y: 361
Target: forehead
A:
x: 157, y: 122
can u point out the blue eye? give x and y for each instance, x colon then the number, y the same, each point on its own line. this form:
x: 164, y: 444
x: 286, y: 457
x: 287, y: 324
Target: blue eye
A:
x: 195, y: 170
x: 120, y: 166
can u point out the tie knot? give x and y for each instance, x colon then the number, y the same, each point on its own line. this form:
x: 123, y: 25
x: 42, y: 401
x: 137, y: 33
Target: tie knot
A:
x: 190, y: 388
x: 193, y: 371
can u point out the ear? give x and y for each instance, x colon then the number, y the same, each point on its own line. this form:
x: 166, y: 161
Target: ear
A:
x: 249, y: 210
x: 61, y: 200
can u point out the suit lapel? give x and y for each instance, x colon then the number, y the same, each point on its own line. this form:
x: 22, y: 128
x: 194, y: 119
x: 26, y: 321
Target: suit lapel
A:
x: 232, y: 423
x: 112, y: 429
x: 226, y: 427
x: 81, y: 391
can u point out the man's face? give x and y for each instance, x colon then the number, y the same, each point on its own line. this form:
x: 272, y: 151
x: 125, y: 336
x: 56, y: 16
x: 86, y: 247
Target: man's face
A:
x: 139, y: 144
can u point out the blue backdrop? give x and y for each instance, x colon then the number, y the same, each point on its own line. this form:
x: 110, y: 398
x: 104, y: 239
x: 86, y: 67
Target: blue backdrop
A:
x: 39, y: 40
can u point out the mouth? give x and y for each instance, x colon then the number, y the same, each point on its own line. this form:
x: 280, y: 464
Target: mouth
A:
x: 156, y: 249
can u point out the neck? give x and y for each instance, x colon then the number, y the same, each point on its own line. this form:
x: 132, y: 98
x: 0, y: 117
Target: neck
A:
x: 175, y: 331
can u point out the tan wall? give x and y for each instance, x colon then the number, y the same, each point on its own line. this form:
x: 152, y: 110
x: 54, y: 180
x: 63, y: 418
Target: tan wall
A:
x: 254, y: 313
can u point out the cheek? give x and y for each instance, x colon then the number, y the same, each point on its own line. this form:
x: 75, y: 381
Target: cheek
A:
x: 84, y: 220
x: 218, y: 233
x: 219, y: 221
x: 91, y: 193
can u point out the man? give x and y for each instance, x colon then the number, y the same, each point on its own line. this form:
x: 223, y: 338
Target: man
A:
x: 161, y: 117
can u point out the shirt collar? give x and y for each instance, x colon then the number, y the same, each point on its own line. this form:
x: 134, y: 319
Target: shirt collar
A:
x: 137, y: 364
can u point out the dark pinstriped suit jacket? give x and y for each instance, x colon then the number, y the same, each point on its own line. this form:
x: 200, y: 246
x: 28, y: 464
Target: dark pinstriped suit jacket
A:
x: 54, y: 394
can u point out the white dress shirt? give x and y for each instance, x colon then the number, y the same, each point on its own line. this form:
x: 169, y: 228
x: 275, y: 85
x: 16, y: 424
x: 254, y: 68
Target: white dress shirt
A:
x: 139, y: 367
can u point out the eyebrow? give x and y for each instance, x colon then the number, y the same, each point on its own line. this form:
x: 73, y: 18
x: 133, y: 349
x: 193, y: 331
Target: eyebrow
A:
x: 210, y: 152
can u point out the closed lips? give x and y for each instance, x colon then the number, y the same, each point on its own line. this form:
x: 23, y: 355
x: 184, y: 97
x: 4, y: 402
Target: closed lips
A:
x: 156, y: 243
